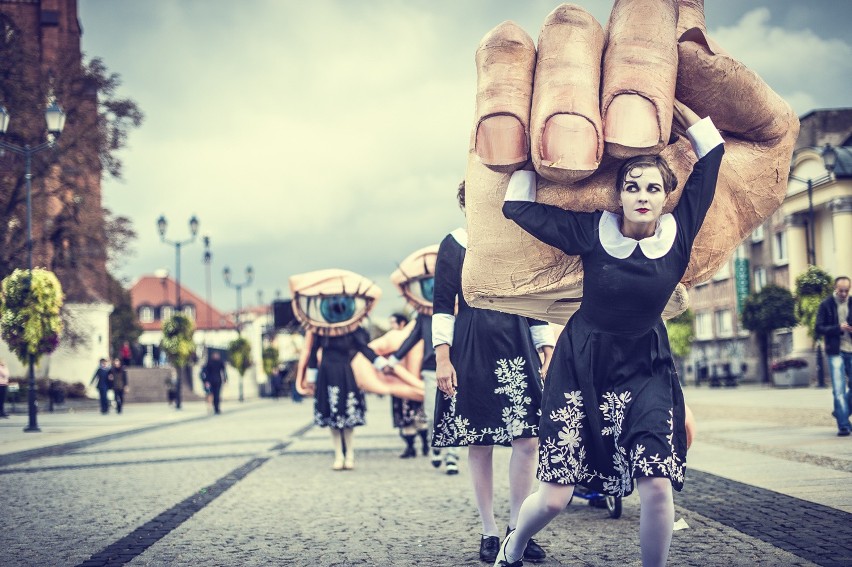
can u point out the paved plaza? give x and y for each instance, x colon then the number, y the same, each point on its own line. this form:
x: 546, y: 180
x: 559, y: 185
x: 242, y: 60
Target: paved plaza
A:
x: 769, y: 483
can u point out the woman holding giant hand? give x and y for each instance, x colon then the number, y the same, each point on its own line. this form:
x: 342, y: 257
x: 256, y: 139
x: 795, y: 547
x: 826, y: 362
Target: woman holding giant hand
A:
x: 612, y: 411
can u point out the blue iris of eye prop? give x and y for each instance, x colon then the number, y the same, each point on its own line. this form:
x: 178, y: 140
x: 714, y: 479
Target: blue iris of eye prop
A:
x: 427, y: 289
x: 337, y: 308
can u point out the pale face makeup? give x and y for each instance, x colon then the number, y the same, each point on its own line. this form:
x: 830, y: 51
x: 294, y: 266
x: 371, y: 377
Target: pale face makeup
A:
x: 642, y: 199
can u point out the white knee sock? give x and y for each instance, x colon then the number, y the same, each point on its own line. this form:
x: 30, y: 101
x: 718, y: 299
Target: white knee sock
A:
x: 522, y: 465
x: 337, y: 443
x: 656, y: 519
x: 482, y: 477
x: 537, y: 511
x: 349, y: 444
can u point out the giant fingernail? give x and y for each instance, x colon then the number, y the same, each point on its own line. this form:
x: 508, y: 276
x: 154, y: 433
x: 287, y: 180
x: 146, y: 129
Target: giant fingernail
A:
x: 501, y: 140
x: 569, y: 141
x: 631, y: 120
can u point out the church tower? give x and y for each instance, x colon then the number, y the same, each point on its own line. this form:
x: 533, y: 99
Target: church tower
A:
x: 40, y: 58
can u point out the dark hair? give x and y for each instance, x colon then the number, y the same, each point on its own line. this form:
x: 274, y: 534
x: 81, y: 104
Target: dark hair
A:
x: 400, y: 318
x: 460, y: 195
x: 669, y: 178
x: 837, y: 279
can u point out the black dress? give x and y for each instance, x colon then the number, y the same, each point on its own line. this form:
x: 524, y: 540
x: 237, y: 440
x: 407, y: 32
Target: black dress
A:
x: 498, y: 397
x: 613, y: 409
x: 338, y: 402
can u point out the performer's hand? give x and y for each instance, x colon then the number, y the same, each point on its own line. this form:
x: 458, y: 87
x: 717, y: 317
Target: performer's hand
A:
x: 445, y: 373
x: 577, y: 111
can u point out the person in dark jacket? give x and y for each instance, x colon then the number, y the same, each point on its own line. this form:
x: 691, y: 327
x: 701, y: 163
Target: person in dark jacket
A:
x: 103, y: 377
x: 119, y: 383
x: 834, y: 322
x: 214, y: 377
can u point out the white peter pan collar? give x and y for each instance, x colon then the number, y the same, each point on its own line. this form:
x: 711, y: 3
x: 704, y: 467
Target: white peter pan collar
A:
x: 620, y: 246
x: 460, y: 235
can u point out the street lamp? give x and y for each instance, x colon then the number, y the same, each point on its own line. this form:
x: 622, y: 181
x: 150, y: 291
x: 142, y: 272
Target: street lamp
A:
x: 226, y: 274
x: 829, y: 160
x: 193, y: 229
x: 208, y: 259
x: 55, y: 119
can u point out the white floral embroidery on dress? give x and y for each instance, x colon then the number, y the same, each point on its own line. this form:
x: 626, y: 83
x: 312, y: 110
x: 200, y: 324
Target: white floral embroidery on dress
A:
x: 614, y: 408
x: 455, y: 430
x: 570, y: 463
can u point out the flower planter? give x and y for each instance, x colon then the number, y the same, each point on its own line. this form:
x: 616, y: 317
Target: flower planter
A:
x: 792, y: 378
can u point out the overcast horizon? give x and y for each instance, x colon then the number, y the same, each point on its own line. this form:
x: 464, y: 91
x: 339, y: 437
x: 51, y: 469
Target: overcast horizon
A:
x: 333, y: 134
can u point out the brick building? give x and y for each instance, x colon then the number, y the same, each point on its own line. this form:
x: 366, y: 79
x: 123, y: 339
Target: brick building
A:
x: 40, y: 57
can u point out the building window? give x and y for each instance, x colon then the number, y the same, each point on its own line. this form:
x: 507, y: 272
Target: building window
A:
x: 703, y: 326
x: 146, y: 315
x: 757, y: 235
x: 759, y: 278
x: 724, y: 323
x: 189, y: 311
x: 779, y: 248
x: 166, y: 312
x: 723, y: 273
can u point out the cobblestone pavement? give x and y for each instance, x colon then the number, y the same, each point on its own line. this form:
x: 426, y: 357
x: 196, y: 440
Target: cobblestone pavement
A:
x: 253, y: 486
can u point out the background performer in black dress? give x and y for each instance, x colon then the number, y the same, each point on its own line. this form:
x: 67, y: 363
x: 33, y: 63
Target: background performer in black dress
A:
x: 613, y: 411
x: 488, y: 369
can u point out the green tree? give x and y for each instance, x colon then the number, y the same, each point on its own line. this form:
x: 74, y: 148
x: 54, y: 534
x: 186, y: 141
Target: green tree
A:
x: 239, y: 354
x: 681, y: 332
x: 177, y: 340
x: 270, y: 360
x: 123, y: 323
x: 773, y: 307
x: 30, y: 323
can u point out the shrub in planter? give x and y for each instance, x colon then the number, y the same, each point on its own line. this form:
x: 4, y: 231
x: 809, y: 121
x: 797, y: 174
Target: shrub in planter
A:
x: 29, y: 313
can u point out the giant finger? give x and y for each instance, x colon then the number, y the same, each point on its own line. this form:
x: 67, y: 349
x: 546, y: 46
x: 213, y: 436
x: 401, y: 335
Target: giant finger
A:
x: 505, y: 62
x: 760, y: 130
x: 640, y: 68
x: 566, y: 130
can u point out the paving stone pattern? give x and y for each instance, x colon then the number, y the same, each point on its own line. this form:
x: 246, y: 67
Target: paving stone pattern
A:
x: 254, y: 487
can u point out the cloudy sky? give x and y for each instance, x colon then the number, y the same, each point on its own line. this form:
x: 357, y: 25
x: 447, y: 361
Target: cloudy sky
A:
x: 333, y: 133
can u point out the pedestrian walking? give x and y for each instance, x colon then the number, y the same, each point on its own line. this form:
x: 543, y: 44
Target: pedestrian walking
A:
x: 4, y: 387
x: 119, y: 383
x: 126, y: 354
x: 489, y: 370
x: 614, y: 412
x: 214, y: 376
x: 103, y: 378
x: 834, y: 322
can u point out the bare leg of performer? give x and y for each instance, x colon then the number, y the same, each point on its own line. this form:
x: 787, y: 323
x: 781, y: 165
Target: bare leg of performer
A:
x: 656, y: 518
x: 481, y: 473
x: 536, y: 512
x: 337, y: 443
x: 522, y: 465
x: 349, y: 461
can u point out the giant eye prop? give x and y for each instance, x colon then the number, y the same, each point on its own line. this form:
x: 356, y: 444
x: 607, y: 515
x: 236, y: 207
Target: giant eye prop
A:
x: 333, y: 302
x: 415, y: 278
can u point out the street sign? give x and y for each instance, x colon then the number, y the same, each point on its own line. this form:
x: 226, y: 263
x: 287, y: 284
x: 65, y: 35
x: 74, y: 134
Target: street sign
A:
x: 741, y: 281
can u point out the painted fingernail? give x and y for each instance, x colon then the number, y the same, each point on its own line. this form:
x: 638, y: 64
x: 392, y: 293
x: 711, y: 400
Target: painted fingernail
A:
x: 569, y: 141
x: 631, y: 120
x: 501, y: 140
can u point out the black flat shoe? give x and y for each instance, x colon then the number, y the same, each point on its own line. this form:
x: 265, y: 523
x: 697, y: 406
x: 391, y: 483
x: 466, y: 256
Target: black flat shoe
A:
x: 533, y: 552
x: 489, y: 545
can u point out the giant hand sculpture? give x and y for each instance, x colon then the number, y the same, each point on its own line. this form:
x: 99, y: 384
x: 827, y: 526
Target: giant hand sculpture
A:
x: 585, y: 100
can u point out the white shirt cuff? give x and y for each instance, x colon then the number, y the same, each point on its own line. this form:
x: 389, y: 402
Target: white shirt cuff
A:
x: 704, y: 136
x: 311, y: 375
x: 521, y: 186
x: 393, y: 360
x: 542, y: 336
x: 380, y: 363
x: 442, y: 329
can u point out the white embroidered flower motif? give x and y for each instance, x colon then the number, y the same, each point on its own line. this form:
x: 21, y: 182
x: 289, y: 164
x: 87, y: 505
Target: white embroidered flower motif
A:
x: 569, y: 463
x: 613, y: 409
x: 513, y: 380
